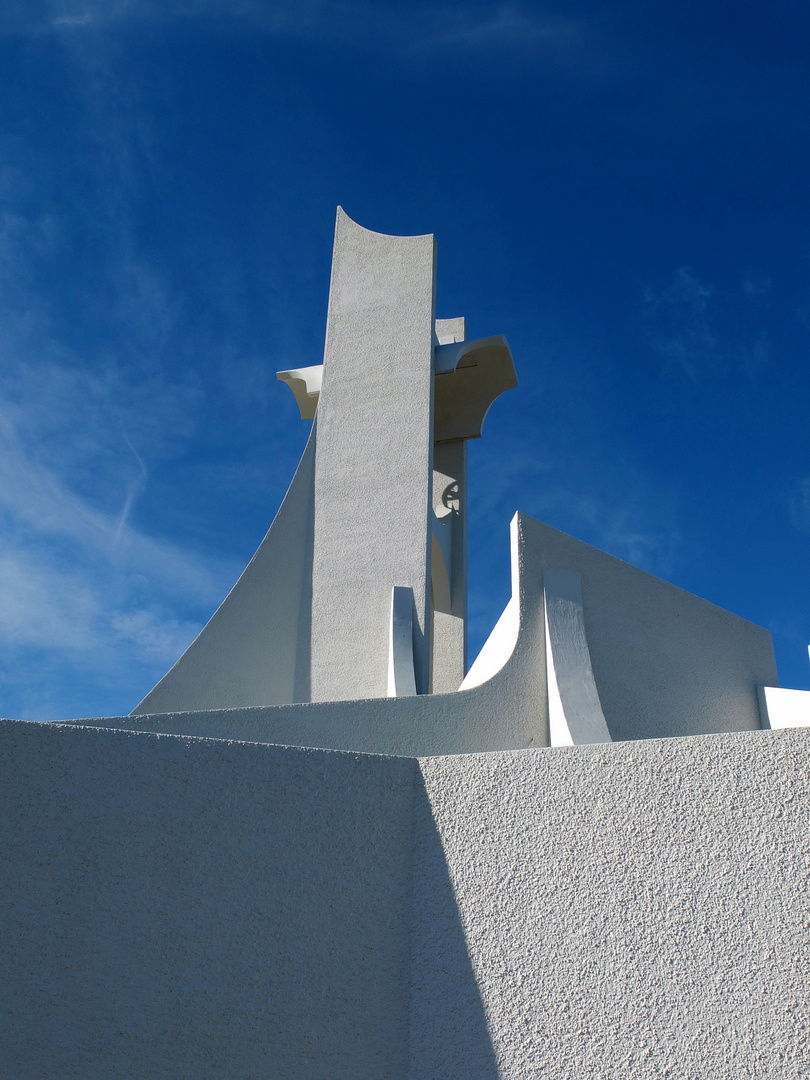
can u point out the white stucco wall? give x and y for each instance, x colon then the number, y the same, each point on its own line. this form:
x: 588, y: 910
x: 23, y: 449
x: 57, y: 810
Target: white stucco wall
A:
x: 631, y: 911
x: 178, y: 909
x: 665, y: 662
x: 202, y: 910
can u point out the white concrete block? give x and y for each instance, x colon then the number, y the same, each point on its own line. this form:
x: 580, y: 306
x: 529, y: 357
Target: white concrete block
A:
x: 782, y: 708
x: 180, y: 909
x: 575, y: 714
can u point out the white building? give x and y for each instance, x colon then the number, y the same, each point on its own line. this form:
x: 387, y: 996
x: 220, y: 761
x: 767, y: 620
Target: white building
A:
x: 322, y: 847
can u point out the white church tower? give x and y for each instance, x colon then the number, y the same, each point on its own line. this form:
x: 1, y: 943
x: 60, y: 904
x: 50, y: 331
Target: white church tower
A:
x: 327, y: 847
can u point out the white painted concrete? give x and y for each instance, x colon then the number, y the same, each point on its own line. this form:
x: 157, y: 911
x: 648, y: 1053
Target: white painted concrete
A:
x: 497, y: 649
x: 449, y: 566
x: 380, y: 502
x: 505, y: 712
x: 401, y: 680
x: 780, y: 708
x: 450, y: 330
x: 575, y: 714
x: 308, y: 621
x: 632, y: 911
x: 191, y: 909
x: 255, y: 648
x: 180, y: 909
x: 305, y: 384
x: 374, y: 460
x: 665, y: 663
x: 470, y: 375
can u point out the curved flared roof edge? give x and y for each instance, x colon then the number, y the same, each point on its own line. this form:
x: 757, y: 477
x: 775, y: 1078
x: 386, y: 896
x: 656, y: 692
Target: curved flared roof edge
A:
x: 341, y: 215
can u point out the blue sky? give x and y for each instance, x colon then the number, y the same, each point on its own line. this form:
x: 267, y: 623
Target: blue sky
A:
x: 621, y: 188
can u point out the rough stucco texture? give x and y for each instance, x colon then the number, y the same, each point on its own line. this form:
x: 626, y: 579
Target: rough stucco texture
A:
x: 636, y: 910
x: 202, y: 910
x: 373, y: 459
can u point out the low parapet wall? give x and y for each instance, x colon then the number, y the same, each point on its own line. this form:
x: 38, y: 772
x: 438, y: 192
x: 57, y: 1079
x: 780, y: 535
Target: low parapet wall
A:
x: 177, y: 907
x: 635, y: 910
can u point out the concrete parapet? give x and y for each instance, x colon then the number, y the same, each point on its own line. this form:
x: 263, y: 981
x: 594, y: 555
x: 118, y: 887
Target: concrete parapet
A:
x: 195, y: 909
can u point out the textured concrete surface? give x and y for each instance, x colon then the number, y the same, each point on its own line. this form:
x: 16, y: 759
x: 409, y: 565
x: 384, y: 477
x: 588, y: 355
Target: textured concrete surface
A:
x: 469, y: 377
x: 637, y: 910
x: 308, y: 621
x: 665, y: 662
x: 195, y: 910
x: 506, y: 712
x: 201, y: 910
x: 374, y: 460
x: 449, y: 567
x: 575, y: 714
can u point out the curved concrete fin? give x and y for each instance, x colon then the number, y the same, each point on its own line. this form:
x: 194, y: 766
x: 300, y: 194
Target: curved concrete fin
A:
x: 506, y: 712
x: 401, y: 682
x: 497, y: 649
x: 575, y: 714
x: 255, y: 648
x: 666, y: 664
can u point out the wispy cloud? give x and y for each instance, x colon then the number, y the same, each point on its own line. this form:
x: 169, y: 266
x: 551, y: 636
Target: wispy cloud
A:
x: 702, y: 331
x: 81, y: 586
x: 678, y: 315
x: 76, y: 580
x: 799, y: 505
x: 494, y: 26
x: 73, y: 20
x: 407, y: 28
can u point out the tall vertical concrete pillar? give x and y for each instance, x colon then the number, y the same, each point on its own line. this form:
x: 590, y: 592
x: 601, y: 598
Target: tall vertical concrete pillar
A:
x: 373, y: 462
x: 358, y: 590
x: 449, y: 567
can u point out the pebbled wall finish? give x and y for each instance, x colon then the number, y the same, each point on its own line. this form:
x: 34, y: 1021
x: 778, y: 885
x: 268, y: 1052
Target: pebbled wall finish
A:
x: 637, y: 910
x: 195, y: 909
x: 199, y: 910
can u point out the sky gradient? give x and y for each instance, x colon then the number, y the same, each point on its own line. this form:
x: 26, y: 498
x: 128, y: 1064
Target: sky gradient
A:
x: 621, y: 188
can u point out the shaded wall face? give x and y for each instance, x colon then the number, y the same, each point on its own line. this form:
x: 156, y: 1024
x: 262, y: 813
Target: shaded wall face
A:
x: 639, y: 910
x: 191, y: 909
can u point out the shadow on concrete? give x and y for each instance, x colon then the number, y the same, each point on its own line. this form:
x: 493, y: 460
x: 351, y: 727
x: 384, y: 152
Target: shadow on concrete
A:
x: 449, y: 1037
